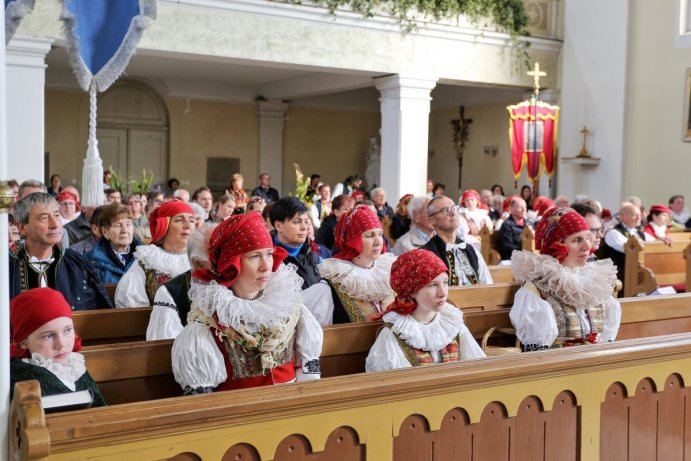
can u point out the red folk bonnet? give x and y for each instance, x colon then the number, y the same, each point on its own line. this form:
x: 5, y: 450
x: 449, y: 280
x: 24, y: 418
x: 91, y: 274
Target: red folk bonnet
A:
x: 557, y: 224
x: 468, y: 194
x: 159, y: 219
x: 349, y: 229
x: 67, y: 195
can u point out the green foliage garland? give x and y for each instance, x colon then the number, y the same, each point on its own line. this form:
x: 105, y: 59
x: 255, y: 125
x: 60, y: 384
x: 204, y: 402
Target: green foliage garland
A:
x: 508, y: 15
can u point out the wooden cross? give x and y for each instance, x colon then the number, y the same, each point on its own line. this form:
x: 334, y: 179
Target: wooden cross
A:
x: 536, y: 73
x: 460, y: 136
x: 584, y: 151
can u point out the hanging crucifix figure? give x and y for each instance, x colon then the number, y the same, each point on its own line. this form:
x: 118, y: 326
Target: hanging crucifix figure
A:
x: 460, y: 137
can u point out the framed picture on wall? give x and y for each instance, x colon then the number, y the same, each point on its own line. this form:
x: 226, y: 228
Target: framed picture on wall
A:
x: 687, y: 107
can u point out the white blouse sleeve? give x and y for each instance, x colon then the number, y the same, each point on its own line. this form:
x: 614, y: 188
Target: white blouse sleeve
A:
x: 319, y: 302
x: 385, y: 353
x: 533, y: 318
x: 612, y: 313
x: 310, y: 337
x: 470, y: 349
x: 164, y: 322
x: 196, y: 360
x: 131, y: 290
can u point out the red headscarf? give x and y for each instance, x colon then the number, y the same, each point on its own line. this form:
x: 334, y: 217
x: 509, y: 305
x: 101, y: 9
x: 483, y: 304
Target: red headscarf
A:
x: 159, y: 219
x: 507, y: 202
x: 470, y: 193
x: 32, y: 309
x: 412, y: 271
x: 67, y: 195
x: 541, y: 204
x: 349, y: 229
x: 660, y: 209
x: 554, y: 227
x: 234, y: 237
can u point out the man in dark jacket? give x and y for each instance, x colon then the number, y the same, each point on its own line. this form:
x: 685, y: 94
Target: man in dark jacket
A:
x: 38, y: 261
x: 264, y: 189
x: 289, y: 217
x: 510, y: 231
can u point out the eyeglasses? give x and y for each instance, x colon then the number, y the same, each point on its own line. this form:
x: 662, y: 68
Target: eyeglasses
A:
x: 596, y: 230
x: 445, y: 211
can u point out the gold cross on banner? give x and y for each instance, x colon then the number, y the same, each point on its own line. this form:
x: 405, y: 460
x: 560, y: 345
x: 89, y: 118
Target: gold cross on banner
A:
x: 536, y: 73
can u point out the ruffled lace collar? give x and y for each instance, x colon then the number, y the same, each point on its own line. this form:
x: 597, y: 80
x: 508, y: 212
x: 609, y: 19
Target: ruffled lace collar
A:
x: 68, y: 372
x: 364, y: 284
x: 583, y: 287
x: 157, y: 259
x: 428, y: 337
x: 277, y: 306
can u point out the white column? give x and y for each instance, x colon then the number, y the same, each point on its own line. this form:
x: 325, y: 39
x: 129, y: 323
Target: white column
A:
x: 593, y: 94
x: 271, y: 122
x: 26, y: 75
x: 4, y: 264
x: 405, y: 107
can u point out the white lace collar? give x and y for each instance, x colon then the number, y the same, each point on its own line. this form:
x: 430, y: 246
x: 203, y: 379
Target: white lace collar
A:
x: 583, y: 287
x: 68, y: 372
x: 432, y: 336
x: 356, y: 282
x: 276, y: 306
x: 156, y: 258
x: 660, y: 231
x: 682, y: 217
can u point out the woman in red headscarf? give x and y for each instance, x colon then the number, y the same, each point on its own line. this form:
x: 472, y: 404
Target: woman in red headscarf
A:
x: 45, y: 347
x: 248, y: 325
x: 476, y: 217
x: 356, y: 280
x: 165, y: 257
x: 421, y: 328
x: 564, y: 300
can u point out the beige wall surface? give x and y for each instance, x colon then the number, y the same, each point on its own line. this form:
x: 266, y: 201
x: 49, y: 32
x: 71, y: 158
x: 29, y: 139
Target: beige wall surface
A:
x: 331, y: 143
x: 480, y: 171
x: 66, y: 133
x: 657, y: 162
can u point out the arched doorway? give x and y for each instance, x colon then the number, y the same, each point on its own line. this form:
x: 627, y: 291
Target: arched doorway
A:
x: 133, y: 131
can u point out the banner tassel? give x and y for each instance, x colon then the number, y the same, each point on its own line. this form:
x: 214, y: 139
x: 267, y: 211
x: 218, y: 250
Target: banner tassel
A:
x: 92, y: 174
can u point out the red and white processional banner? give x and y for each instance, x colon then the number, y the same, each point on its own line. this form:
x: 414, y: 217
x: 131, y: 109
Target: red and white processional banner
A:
x: 533, y: 137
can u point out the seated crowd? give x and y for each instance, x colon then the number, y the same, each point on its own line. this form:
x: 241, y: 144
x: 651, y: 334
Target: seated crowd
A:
x: 244, y: 283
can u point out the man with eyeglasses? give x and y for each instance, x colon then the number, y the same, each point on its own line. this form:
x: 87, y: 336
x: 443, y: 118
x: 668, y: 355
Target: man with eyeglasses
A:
x: 465, y: 263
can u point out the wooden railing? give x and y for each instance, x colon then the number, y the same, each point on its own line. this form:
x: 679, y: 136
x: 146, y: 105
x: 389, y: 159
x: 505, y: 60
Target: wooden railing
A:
x: 617, y: 401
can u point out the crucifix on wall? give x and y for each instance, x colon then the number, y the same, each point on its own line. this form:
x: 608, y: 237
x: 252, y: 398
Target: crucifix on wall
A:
x: 461, y: 126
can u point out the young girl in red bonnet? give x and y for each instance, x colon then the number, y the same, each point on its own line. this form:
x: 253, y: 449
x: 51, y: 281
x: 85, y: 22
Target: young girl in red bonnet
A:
x: 247, y: 326
x: 565, y: 300
x: 45, y: 346
x: 421, y: 328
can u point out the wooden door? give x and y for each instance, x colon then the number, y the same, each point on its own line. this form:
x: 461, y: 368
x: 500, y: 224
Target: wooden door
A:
x: 147, y: 150
x: 112, y: 146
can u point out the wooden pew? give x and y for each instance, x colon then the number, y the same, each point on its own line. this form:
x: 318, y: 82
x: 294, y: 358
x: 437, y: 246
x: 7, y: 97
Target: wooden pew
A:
x: 501, y: 274
x: 653, y: 264
x: 484, y: 297
x: 110, y: 289
x: 564, y: 404
x: 489, y: 244
x: 137, y: 371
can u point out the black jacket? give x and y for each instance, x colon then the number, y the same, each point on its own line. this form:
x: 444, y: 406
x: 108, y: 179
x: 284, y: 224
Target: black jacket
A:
x: 306, y: 262
x: 510, y: 238
x: 325, y: 234
x: 269, y: 195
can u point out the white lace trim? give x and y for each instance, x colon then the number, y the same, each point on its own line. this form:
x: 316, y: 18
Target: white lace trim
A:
x: 155, y: 258
x: 68, y: 372
x: 358, y: 283
x: 434, y: 336
x: 660, y: 231
x: 583, y: 287
x: 682, y: 217
x: 276, y: 307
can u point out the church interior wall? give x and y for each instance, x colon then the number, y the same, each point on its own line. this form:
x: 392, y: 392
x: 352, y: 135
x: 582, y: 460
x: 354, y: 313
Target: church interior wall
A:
x: 657, y: 161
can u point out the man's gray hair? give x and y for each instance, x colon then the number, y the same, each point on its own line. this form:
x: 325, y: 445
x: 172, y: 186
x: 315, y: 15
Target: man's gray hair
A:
x: 198, y: 244
x: 198, y: 209
x: 22, y: 208
x: 376, y: 190
x: 416, y: 204
x: 31, y: 183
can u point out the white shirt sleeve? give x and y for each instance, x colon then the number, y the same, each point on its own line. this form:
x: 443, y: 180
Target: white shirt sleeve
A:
x: 616, y: 240
x: 612, y: 311
x: 338, y: 190
x: 314, y: 214
x: 196, y: 360
x: 647, y: 237
x: 385, y: 353
x: 310, y: 337
x: 402, y: 245
x: 164, y: 322
x: 131, y: 290
x: 533, y: 318
x: 470, y: 349
x: 483, y: 274
x: 319, y: 302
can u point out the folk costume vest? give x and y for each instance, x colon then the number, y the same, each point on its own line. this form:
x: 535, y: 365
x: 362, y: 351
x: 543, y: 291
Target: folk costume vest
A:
x: 159, y: 267
x: 417, y: 357
x: 572, y: 331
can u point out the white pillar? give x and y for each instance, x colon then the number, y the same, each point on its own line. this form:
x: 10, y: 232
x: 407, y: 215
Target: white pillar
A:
x: 271, y: 122
x: 26, y: 76
x: 4, y: 264
x: 593, y: 94
x: 405, y: 107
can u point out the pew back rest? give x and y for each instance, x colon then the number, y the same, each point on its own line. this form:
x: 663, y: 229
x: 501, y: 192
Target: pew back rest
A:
x: 483, y: 297
x: 501, y: 274
x: 104, y: 326
x: 667, y: 264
